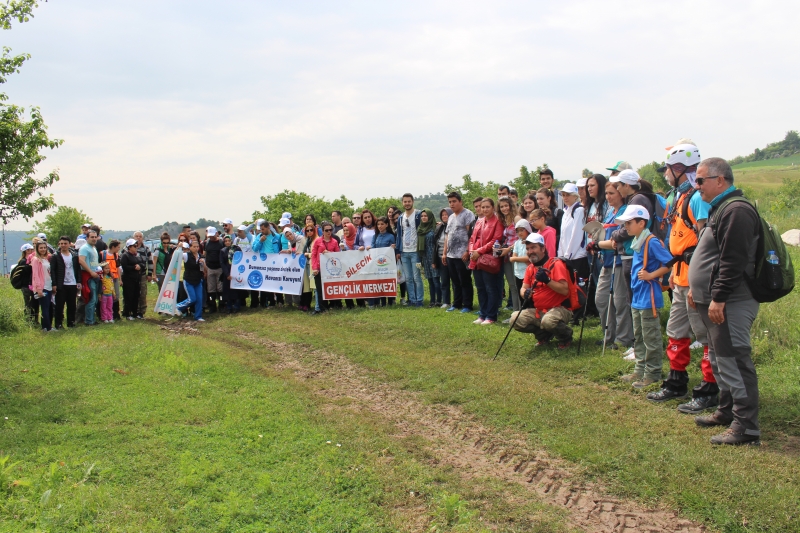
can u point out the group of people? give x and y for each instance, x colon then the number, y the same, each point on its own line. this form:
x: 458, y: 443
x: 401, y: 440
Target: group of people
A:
x: 536, y: 256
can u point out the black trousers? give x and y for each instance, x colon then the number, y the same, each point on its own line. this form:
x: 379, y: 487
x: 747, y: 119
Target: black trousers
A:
x: 130, y: 297
x: 66, y: 295
x: 461, y: 277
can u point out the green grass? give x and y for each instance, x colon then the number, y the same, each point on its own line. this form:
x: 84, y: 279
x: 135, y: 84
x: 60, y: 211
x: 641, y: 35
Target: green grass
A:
x: 779, y: 162
x: 125, y: 427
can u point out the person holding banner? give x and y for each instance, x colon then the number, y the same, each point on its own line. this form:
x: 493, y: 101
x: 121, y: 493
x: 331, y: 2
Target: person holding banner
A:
x: 384, y: 238
x: 311, y: 233
x: 292, y: 243
x: 322, y: 245
x: 266, y: 242
x: 349, y: 244
x: 366, y: 231
x: 193, y: 282
x: 231, y: 303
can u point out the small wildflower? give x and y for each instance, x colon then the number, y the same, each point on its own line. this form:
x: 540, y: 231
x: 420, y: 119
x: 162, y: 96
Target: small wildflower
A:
x: 261, y: 436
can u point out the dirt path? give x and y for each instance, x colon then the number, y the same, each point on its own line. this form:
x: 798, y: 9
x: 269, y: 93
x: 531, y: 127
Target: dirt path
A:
x: 474, y: 450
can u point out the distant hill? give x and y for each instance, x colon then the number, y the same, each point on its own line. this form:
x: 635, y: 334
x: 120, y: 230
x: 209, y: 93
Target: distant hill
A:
x: 174, y: 228
x: 790, y: 145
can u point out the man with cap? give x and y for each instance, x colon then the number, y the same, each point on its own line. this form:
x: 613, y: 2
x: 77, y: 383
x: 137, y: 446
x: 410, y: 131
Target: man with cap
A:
x: 688, y: 213
x: 227, y: 230
x: 84, y: 231
x: 133, y: 269
x: 546, y: 283
x: 213, y: 268
x: 619, y: 167
x: 295, y: 228
x: 146, y: 256
x: 723, y: 260
x: 43, y: 238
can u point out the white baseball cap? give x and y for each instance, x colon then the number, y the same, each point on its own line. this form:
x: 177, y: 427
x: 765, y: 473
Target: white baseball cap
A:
x: 285, y: 222
x: 628, y: 176
x: 535, y: 238
x: 227, y: 221
x: 242, y: 228
x: 42, y: 236
x: 522, y: 223
x: 130, y: 242
x: 86, y: 225
x: 260, y: 222
x: 634, y: 211
x: 211, y: 231
x: 570, y: 188
x: 287, y: 231
x: 287, y: 215
x: 185, y: 245
x: 25, y: 247
x: 581, y: 182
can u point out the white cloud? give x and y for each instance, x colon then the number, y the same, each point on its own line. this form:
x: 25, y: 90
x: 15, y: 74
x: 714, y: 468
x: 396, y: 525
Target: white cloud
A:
x: 176, y: 110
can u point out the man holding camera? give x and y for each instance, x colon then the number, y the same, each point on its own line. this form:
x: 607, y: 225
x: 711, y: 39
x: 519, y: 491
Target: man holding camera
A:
x: 546, y: 284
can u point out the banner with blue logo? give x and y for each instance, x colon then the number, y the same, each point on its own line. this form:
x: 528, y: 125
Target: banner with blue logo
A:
x: 268, y: 272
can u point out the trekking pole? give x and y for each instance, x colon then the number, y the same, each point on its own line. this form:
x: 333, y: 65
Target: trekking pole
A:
x: 610, y: 300
x: 586, y: 304
x: 511, y: 326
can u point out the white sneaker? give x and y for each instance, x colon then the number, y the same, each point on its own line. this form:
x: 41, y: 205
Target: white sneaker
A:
x: 478, y: 321
x: 695, y: 346
x: 131, y: 318
x: 201, y: 320
x: 445, y: 306
x: 629, y: 355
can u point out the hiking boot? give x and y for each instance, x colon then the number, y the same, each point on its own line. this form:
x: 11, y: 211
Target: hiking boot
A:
x: 541, y: 343
x: 732, y: 438
x: 630, y: 378
x: 564, y: 345
x: 712, y: 420
x: 665, y: 395
x: 642, y: 383
x: 698, y: 405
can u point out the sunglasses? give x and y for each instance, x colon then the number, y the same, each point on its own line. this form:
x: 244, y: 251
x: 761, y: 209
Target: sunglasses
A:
x: 328, y: 231
x: 309, y: 231
x: 700, y: 181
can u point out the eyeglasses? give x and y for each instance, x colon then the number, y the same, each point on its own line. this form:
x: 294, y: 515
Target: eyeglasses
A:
x: 700, y: 181
x: 309, y: 231
x: 328, y: 230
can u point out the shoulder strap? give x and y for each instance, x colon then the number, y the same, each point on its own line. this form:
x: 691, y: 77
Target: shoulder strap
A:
x: 644, y: 267
x: 721, y: 208
x: 686, y: 199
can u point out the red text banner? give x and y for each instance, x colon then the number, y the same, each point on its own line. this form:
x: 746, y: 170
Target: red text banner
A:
x: 359, y: 274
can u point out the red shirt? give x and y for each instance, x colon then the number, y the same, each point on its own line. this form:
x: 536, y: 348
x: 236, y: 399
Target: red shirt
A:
x: 545, y: 298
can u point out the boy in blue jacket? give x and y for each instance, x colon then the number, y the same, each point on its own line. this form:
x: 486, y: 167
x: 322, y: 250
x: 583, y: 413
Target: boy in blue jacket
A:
x: 649, y: 266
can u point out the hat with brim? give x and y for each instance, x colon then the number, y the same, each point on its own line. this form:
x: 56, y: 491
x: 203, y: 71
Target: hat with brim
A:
x: 581, y: 182
x: 130, y: 242
x: 620, y: 166
x: 522, y: 223
x: 570, y: 188
x: 211, y: 231
x: 86, y: 226
x: 26, y: 247
x: 535, y: 238
x: 630, y: 177
x: 227, y: 221
x: 242, y: 228
x: 634, y: 211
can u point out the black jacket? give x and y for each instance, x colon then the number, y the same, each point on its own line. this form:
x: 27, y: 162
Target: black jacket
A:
x: 736, y: 230
x: 192, y: 270
x: 58, y: 269
x: 212, y: 249
x: 128, y: 262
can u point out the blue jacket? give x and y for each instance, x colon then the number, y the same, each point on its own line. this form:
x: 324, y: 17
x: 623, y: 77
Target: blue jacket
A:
x: 383, y: 240
x: 399, y: 241
x: 272, y: 244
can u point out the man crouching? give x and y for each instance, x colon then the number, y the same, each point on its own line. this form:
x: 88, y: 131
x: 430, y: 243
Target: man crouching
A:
x: 546, y: 285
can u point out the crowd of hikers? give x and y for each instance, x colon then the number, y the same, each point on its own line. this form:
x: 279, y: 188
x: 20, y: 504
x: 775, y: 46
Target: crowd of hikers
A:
x: 538, y: 255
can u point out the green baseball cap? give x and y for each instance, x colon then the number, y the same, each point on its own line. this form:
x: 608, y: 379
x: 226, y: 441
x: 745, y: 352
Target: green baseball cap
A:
x: 620, y: 166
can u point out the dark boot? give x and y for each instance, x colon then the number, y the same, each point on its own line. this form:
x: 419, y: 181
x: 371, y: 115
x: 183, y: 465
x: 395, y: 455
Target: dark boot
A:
x: 677, y: 381
x: 563, y: 333
x: 731, y: 438
x: 698, y: 405
x: 715, y: 419
x: 212, y: 302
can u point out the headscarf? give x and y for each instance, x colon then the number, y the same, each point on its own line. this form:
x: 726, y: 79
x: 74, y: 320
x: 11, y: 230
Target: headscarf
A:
x: 424, y: 228
x: 350, y: 240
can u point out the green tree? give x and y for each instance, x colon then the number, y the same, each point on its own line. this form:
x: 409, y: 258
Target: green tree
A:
x: 586, y: 173
x: 299, y: 204
x: 379, y: 206
x: 64, y: 221
x: 527, y: 180
x: 649, y: 172
x: 22, y: 136
x: 471, y: 189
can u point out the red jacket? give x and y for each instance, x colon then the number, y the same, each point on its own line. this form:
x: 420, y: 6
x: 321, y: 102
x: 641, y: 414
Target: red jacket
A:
x: 318, y: 247
x: 485, y: 233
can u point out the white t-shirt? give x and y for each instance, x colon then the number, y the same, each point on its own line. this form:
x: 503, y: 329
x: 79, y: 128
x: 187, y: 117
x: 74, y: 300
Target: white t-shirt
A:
x: 366, y: 236
x: 69, y: 272
x: 48, y: 281
x: 409, y: 231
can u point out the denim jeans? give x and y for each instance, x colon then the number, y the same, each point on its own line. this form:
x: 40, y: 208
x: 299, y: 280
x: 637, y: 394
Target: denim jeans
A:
x: 435, y: 288
x: 46, y: 309
x: 416, y: 291
x: 91, y: 305
x: 488, y: 293
x: 444, y: 283
x: 194, y: 296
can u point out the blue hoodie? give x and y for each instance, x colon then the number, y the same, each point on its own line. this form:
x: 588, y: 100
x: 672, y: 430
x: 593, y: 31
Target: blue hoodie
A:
x: 271, y: 245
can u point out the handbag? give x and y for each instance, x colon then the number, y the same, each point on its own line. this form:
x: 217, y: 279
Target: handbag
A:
x: 488, y: 263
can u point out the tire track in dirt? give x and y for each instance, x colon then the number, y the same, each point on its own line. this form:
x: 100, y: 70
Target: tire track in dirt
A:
x: 475, y: 451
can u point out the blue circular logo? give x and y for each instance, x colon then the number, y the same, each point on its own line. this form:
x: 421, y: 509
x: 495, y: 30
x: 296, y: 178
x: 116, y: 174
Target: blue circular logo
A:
x: 263, y: 257
x: 237, y: 257
x: 255, y: 279
x: 334, y: 267
x: 255, y: 257
x: 302, y: 261
x: 241, y: 269
x: 285, y: 260
x: 280, y: 288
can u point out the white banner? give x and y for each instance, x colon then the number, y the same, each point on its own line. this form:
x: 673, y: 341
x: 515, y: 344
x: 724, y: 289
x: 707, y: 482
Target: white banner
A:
x: 354, y: 274
x: 167, y: 302
x: 268, y: 272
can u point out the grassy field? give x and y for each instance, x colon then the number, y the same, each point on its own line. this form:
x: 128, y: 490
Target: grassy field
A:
x: 130, y: 427
x: 766, y: 176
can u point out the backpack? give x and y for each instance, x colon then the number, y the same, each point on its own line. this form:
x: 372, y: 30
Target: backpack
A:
x: 577, y: 293
x: 658, y: 224
x: 771, y: 281
x: 21, y: 276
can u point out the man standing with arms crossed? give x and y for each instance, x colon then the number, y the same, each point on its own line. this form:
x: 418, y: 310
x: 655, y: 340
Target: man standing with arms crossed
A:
x: 725, y: 255
x: 687, y: 215
x: 87, y: 256
x: 407, y: 250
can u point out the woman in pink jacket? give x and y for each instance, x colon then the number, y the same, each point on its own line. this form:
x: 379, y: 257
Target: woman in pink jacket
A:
x: 322, y: 245
x: 42, y: 284
x: 488, y: 230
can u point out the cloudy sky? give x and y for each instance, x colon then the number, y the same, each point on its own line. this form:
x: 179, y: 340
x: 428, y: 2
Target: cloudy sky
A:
x: 174, y: 110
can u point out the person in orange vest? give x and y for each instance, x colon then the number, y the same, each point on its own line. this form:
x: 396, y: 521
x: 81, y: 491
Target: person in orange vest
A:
x: 111, y: 256
x: 687, y: 215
